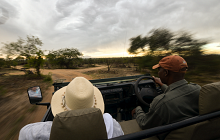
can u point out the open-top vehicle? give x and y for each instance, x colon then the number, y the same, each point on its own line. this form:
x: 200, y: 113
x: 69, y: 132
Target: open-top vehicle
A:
x: 122, y: 94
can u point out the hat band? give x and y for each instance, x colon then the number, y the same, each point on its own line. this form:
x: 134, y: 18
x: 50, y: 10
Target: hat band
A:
x: 66, y: 108
x: 64, y: 105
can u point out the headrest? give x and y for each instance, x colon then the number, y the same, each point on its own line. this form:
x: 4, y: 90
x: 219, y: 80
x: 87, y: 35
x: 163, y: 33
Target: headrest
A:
x: 80, y: 124
x: 209, y: 98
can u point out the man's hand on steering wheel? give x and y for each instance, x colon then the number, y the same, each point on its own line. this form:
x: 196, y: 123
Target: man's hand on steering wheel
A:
x: 158, y: 81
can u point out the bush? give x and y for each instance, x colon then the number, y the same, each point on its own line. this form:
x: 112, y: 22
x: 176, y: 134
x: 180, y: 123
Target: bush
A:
x: 48, y: 77
x: 204, y: 64
x: 148, y: 61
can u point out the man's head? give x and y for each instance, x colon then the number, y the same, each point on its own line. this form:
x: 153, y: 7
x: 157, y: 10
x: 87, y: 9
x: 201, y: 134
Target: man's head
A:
x: 171, y: 69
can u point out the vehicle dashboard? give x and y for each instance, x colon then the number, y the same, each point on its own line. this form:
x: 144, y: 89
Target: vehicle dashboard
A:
x: 119, y: 97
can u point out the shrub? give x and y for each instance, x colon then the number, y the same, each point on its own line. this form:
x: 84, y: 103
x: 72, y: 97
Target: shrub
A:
x: 48, y: 77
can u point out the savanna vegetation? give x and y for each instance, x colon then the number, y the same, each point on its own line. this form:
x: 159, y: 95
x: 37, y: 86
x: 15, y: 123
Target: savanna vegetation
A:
x: 155, y: 45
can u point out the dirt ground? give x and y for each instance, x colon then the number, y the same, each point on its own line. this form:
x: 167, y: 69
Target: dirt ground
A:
x: 67, y: 74
x: 16, y: 107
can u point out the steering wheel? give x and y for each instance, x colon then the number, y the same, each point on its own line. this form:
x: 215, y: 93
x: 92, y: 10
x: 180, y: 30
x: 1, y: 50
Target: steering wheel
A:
x: 147, y: 91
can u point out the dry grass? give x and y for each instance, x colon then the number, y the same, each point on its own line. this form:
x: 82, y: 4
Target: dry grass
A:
x: 14, y: 103
x: 191, y: 76
x: 114, y: 72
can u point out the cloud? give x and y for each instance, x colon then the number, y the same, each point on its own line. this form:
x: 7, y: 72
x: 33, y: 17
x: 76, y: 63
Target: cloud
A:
x: 97, y: 26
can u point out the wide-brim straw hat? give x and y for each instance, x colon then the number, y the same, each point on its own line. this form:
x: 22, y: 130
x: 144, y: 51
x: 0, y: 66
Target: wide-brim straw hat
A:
x: 78, y: 94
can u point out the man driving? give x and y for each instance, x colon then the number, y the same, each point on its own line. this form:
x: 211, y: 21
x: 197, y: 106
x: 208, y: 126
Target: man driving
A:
x: 179, y: 100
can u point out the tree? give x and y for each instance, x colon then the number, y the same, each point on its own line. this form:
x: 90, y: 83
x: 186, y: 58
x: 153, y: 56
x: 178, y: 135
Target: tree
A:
x: 64, y: 57
x: 137, y: 43
x: 28, y: 48
x: 2, y: 62
x: 36, y: 61
x: 109, y: 62
x: 22, y: 47
x: 185, y: 44
x: 162, y: 39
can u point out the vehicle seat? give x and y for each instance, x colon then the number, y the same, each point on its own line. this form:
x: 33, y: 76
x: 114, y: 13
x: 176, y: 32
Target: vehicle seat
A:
x: 131, y: 127
x: 209, y: 101
x: 83, y: 124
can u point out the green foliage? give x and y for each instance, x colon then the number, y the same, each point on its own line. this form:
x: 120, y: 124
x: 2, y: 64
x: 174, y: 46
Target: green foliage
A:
x: 185, y: 44
x: 147, y: 61
x: 48, y: 77
x: 20, y: 60
x: 109, y: 62
x: 36, y: 61
x: 208, y: 64
x: 25, y: 48
x: 137, y: 43
x: 14, y: 63
x: 66, y: 57
x: 22, y: 47
x: 91, y: 62
x: 161, y: 39
x: 205, y: 63
x: 8, y: 62
x: 27, y: 66
x: 2, y: 62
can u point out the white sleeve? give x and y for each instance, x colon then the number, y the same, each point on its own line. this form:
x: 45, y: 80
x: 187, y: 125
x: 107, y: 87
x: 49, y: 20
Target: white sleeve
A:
x: 36, y: 131
x: 117, y: 131
x: 113, y: 128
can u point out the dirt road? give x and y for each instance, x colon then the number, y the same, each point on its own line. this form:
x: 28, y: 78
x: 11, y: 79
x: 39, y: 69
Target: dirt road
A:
x: 67, y: 74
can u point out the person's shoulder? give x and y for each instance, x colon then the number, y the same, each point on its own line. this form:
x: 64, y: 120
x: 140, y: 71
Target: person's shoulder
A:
x: 39, y: 130
x: 107, y: 115
x: 194, y: 85
x: 37, y: 124
x: 157, y: 100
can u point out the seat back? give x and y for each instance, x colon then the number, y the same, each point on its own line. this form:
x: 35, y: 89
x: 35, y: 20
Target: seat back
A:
x: 209, y: 101
x: 132, y: 126
x: 83, y: 124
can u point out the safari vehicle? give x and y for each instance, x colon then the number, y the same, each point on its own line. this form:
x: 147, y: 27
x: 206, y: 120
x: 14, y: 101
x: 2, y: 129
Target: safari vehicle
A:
x: 121, y: 95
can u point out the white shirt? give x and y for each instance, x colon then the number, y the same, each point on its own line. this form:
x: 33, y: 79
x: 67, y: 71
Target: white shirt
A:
x: 41, y: 130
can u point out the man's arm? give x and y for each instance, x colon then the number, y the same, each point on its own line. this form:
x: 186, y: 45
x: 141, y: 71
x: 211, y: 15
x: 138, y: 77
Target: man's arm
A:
x: 148, y: 120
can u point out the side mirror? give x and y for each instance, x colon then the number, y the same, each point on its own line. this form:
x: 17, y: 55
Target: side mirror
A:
x: 34, y: 94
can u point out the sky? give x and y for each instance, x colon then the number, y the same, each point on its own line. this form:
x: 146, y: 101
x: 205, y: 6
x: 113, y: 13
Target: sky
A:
x: 102, y: 28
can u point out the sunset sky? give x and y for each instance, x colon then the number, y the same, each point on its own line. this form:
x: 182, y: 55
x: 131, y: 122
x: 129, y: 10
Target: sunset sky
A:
x: 102, y: 28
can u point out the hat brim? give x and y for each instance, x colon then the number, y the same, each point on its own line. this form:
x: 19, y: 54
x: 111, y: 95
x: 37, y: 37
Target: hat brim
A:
x: 156, y: 66
x: 56, y: 101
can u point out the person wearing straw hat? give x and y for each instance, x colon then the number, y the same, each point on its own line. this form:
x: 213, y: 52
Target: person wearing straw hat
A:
x: 78, y: 94
x: 179, y: 100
